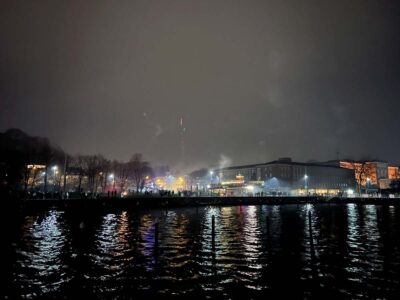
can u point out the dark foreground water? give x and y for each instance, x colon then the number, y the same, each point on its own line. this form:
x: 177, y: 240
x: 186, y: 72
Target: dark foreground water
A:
x: 354, y: 253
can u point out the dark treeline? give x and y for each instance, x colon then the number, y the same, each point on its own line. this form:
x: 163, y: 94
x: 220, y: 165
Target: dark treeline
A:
x: 33, y: 164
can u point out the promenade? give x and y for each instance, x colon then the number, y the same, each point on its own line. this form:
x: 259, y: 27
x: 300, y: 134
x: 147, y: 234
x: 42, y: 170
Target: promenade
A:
x: 170, y: 202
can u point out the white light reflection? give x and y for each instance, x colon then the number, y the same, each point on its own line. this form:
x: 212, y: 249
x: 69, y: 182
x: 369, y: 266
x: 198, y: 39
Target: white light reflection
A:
x: 112, y: 240
x: 208, y: 261
x: 252, y: 245
x: 306, y: 211
x: 354, y: 242
x: 45, y: 241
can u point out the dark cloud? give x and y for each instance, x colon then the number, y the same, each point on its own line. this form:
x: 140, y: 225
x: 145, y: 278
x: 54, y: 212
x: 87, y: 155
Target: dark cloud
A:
x: 253, y: 80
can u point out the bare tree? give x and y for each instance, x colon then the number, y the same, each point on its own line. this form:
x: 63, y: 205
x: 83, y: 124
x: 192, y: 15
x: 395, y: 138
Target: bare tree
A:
x: 56, y: 178
x: 26, y: 174
x: 362, y: 170
x: 139, y: 169
x: 121, y: 174
x: 80, y: 165
x: 50, y: 155
x: 47, y: 154
x: 94, y: 164
x: 34, y: 176
x: 105, y: 166
x: 67, y: 162
x: 32, y: 151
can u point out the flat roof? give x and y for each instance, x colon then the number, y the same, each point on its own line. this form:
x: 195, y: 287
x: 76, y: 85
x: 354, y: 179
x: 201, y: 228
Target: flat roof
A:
x: 280, y: 162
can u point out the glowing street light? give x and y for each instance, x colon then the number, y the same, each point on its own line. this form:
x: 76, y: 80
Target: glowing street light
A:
x: 367, y: 185
x: 55, y: 171
x: 112, y: 177
x: 211, y: 176
x: 305, y: 183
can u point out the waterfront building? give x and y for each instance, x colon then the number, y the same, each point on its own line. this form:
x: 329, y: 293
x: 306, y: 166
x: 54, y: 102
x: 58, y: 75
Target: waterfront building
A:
x: 284, y: 176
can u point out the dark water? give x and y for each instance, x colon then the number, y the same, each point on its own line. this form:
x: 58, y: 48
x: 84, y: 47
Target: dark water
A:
x: 354, y: 253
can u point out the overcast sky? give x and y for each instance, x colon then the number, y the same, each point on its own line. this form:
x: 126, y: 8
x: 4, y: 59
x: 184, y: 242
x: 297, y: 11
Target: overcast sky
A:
x: 253, y: 80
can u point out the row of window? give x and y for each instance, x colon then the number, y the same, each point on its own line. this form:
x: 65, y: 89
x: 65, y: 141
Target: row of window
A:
x: 283, y: 172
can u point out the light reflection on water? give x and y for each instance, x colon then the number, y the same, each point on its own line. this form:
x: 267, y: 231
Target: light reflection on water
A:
x: 40, y: 255
x: 355, y: 253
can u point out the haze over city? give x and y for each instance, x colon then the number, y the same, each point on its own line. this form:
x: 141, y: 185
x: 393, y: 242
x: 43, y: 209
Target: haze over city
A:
x: 200, y: 149
x: 251, y: 80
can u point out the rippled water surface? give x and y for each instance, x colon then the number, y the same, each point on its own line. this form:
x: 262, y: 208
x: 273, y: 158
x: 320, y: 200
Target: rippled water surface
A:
x: 258, y: 251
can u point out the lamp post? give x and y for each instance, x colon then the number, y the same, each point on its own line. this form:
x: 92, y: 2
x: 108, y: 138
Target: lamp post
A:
x: 305, y: 183
x: 211, y: 179
x: 112, y: 177
x: 54, y: 168
x: 65, y: 173
x: 367, y: 184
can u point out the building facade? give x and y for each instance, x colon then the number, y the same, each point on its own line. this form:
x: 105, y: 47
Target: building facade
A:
x: 393, y: 172
x: 286, y: 176
x: 371, y: 176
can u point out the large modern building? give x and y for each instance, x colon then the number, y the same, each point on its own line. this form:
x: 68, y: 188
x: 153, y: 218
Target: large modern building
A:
x: 288, y: 177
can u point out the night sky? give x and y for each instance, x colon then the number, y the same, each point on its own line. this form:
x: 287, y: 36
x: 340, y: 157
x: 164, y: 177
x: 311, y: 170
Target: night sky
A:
x: 252, y: 80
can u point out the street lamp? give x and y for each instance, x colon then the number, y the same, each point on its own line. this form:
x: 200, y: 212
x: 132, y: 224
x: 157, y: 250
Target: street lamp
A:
x: 367, y: 184
x: 55, y: 171
x: 305, y: 183
x: 350, y: 192
x: 112, y: 177
x: 250, y: 189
